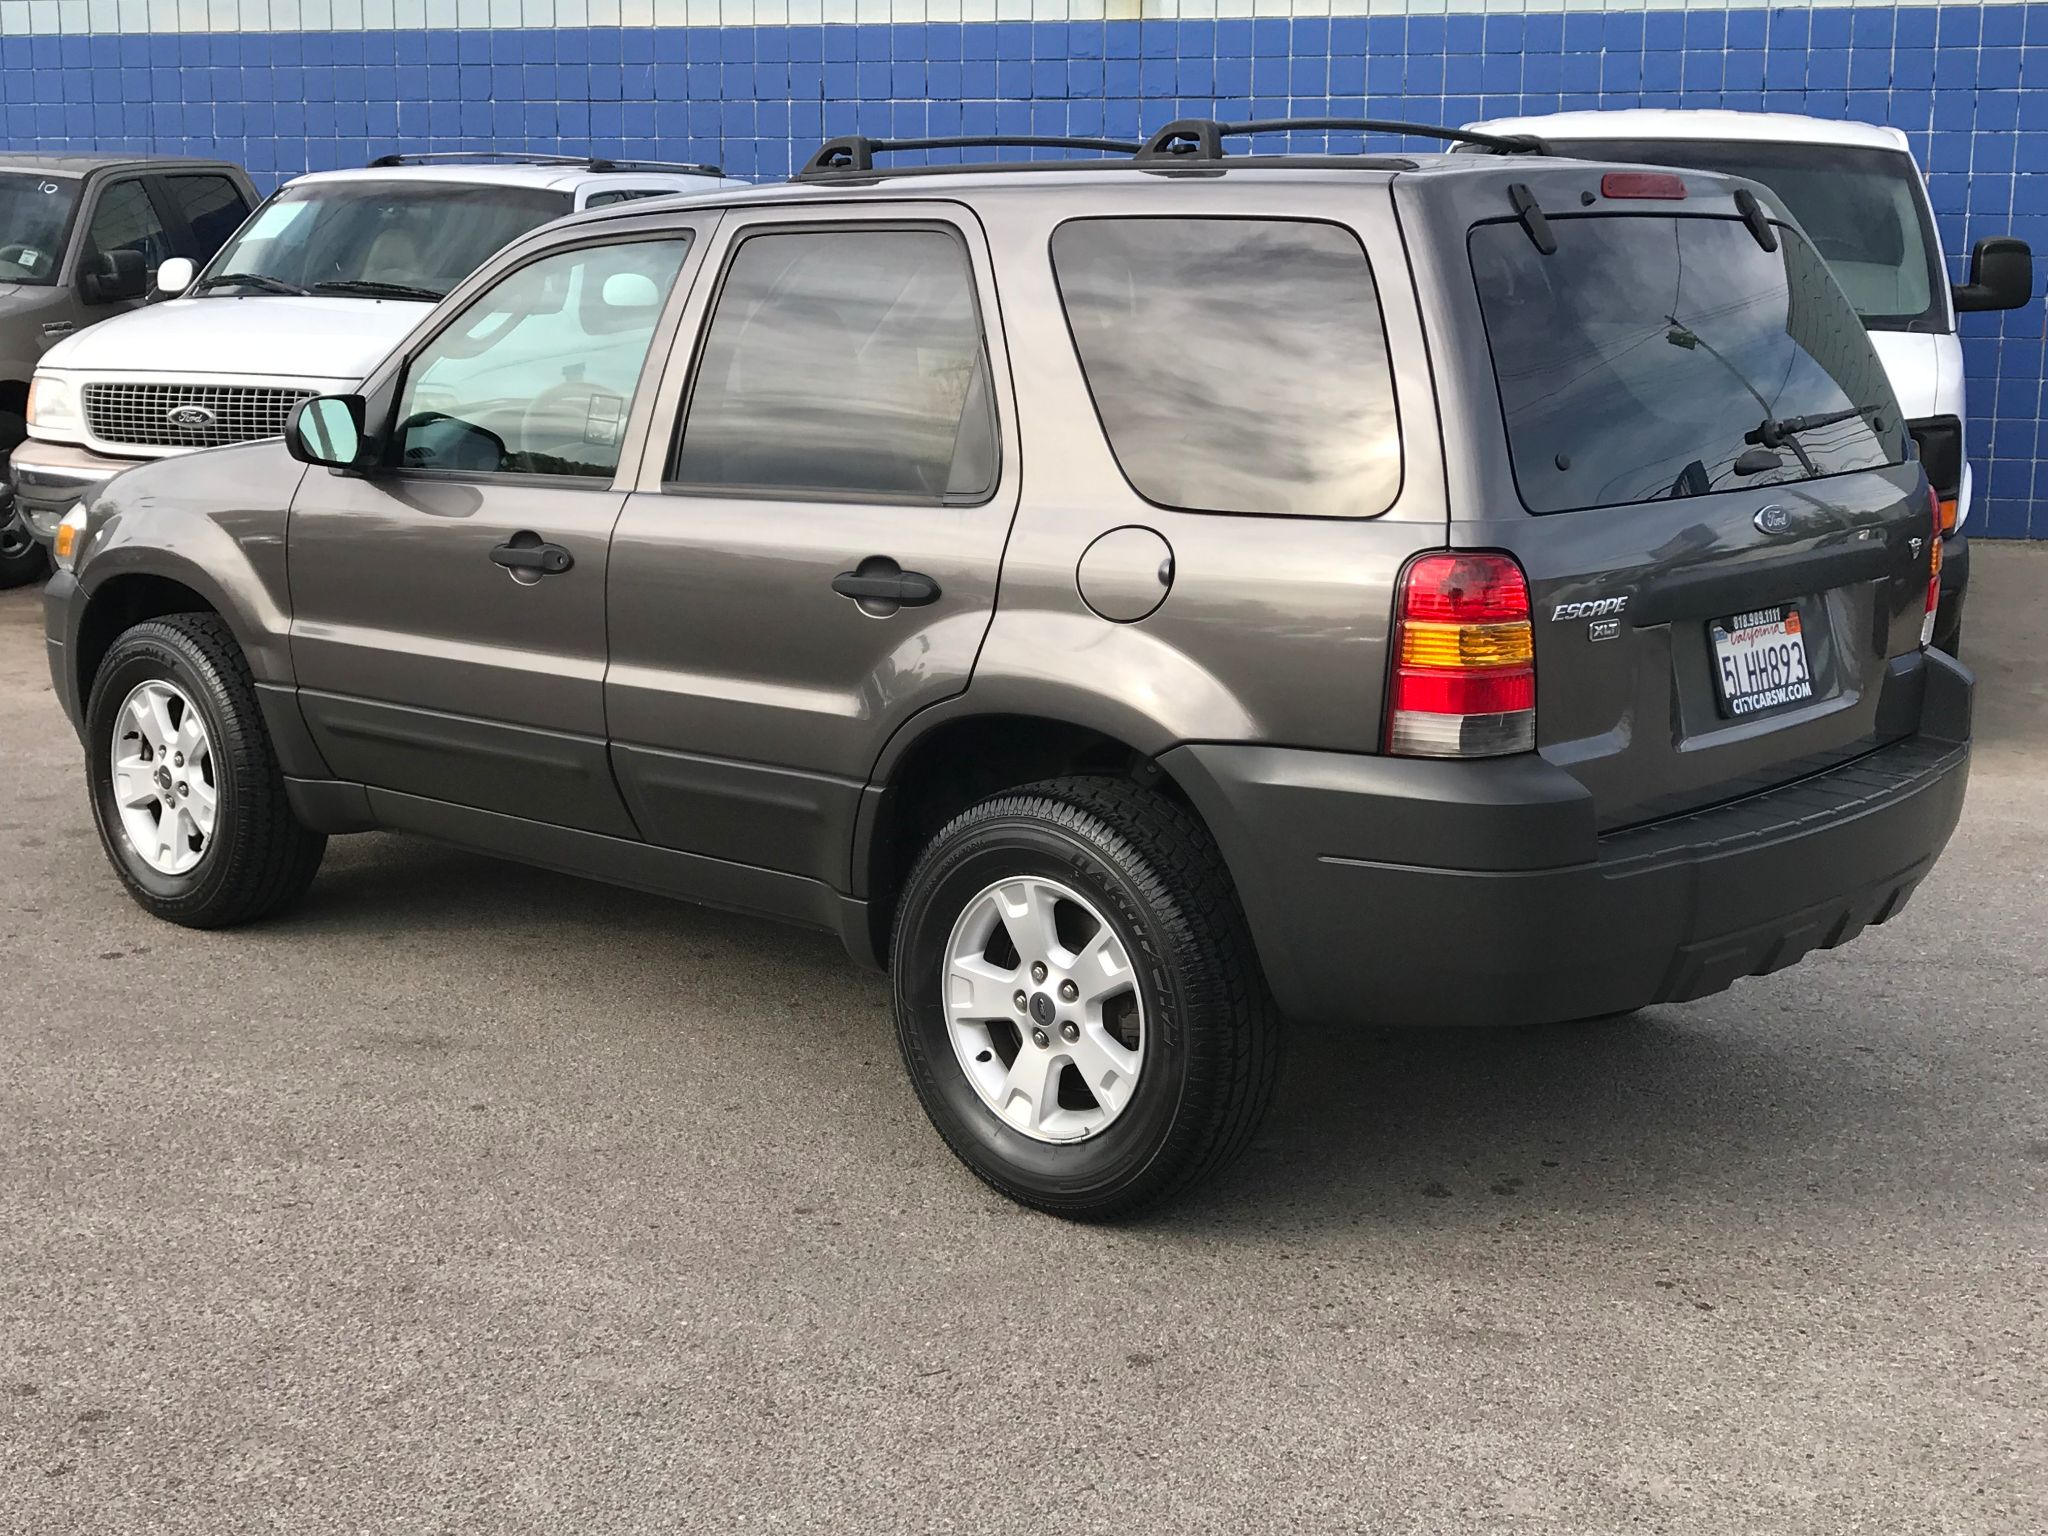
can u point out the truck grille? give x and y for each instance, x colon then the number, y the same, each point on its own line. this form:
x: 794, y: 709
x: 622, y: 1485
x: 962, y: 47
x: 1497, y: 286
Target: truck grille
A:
x: 186, y: 415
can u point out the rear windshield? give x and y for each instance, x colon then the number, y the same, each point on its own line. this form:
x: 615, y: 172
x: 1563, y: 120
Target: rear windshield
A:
x: 1238, y: 365
x: 1653, y: 356
x: 1862, y: 209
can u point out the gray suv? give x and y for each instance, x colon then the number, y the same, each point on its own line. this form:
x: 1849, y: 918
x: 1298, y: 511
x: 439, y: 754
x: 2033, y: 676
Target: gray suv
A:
x: 1133, y: 599
x: 81, y: 237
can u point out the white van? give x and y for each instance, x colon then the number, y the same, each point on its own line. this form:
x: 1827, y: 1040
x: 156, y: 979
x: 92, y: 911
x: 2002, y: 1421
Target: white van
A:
x: 330, y: 274
x: 1855, y: 189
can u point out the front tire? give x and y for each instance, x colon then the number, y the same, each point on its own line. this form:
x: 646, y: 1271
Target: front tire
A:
x: 1145, y: 1049
x: 186, y: 789
x: 22, y: 558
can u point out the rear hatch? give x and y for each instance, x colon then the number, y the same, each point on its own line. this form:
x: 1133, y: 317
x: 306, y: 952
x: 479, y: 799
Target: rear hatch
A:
x: 1671, y: 416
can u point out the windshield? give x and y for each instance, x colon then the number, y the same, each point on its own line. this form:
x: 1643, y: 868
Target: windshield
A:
x: 35, y: 215
x: 1654, y: 356
x: 1861, y: 208
x: 375, y: 239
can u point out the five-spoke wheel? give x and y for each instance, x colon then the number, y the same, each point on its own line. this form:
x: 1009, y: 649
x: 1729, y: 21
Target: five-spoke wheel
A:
x: 1076, y: 996
x: 163, y: 777
x: 187, y: 792
x: 1044, y: 1009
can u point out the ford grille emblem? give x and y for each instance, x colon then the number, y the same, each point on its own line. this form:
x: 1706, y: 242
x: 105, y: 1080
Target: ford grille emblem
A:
x: 190, y: 417
x: 1772, y: 519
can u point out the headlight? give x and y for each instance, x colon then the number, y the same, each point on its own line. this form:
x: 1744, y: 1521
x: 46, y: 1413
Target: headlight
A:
x: 52, y: 405
x: 70, y: 538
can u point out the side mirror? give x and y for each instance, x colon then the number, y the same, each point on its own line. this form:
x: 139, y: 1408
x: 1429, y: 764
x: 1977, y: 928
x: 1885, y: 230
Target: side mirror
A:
x: 326, y: 430
x: 175, y: 276
x: 2001, y: 275
x: 116, y: 275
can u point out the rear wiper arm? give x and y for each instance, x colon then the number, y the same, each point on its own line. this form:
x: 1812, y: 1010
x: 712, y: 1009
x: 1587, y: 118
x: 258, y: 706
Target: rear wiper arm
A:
x: 257, y: 280
x: 371, y: 288
x: 1782, y: 431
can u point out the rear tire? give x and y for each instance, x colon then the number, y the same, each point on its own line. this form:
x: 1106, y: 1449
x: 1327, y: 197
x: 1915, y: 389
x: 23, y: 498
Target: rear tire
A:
x: 186, y: 789
x: 1124, y: 873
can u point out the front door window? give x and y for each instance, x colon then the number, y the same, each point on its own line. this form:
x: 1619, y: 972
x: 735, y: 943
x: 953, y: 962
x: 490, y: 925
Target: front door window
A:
x: 537, y: 375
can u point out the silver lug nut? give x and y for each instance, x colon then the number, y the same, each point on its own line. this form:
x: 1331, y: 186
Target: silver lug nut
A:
x: 1040, y: 1038
x: 1022, y: 1002
x: 1068, y: 991
x: 177, y: 759
x: 1070, y: 1030
x: 1038, y: 970
x: 184, y: 788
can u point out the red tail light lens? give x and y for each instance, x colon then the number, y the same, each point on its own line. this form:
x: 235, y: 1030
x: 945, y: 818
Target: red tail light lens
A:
x: 1641, y: 184
x: 1933, y: 568
x: 1464, y: 671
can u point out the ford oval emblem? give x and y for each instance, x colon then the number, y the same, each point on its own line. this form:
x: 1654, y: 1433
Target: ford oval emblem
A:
x: 1772, y: 519
x: 192, y: 418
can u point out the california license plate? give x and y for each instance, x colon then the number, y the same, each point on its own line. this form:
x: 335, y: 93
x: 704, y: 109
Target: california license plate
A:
x: 1760, y: 661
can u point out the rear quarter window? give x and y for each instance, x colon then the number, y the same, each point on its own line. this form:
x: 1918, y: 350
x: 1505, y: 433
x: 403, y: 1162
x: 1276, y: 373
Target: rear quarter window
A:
x: 1237, y: 365
x: 1652, y: 357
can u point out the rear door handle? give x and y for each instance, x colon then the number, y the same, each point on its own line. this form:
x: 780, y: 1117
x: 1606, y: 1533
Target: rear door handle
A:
x: 541, y: 559
x: 879, y: 584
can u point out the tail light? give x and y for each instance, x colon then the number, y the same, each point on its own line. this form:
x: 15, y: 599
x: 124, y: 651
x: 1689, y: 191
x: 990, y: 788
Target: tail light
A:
x: 1464, y: 673
x: 1933, y: 569
x: 1940, y: 441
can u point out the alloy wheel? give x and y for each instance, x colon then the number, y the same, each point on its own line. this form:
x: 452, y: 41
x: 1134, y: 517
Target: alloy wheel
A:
x: 1043, y: 1009
x: 164, y: 785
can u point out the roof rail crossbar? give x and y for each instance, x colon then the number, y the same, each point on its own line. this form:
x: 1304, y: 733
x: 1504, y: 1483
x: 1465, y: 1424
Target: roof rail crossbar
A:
x: 1200, y: 138
x: 523, y: 157
x: 856, y: 154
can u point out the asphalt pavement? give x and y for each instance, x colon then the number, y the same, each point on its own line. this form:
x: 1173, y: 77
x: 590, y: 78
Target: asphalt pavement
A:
x: 471, y: 1198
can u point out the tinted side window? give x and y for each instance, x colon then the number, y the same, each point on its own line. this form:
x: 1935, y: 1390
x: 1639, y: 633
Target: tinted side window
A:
x: 125, y: 220
x: 844, y: 361
x: 1238, y: 365
x: 537, y: 375
x: 212, y: 205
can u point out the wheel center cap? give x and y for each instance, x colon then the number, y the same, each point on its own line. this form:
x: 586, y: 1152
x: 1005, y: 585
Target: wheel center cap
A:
x: 1042, y: 1009
x: 163, y: 780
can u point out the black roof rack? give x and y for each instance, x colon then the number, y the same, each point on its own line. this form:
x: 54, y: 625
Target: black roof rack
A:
x: 1201, y: 138
x: 598, y: 163
x: 855, y: 155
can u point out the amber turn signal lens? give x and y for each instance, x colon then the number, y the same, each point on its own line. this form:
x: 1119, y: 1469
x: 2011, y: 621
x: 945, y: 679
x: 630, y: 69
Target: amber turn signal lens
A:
x: 1467, y: 645
x: 67, y: 540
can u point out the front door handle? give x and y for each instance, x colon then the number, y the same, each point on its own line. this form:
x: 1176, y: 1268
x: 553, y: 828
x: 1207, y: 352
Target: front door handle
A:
x: 526, y: 553
x: 880, y: 586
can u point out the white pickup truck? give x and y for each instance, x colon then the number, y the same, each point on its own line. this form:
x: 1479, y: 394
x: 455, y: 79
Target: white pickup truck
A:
x: 1857, y: 191
x: 324, y: 279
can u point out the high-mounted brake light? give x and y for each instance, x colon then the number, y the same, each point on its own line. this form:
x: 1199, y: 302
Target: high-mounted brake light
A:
x: 1933, y: 569
x: 1464, y: 673
x: 1641, y: 184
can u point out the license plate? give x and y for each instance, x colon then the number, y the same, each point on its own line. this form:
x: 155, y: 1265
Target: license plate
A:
x: 1760, y: 661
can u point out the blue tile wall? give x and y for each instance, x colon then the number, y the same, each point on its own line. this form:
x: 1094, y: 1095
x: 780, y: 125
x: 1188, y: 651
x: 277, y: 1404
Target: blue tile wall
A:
x: 1964, y: 81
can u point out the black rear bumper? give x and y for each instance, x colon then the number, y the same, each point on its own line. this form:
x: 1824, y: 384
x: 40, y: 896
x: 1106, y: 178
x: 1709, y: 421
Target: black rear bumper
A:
x: 1404, y: 891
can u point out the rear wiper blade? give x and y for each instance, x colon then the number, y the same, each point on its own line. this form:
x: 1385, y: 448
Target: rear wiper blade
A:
x: 371, y: 288
x: 257, y: 280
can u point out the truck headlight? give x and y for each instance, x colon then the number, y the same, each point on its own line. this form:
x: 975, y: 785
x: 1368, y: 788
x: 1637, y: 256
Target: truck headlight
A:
x: 52, y: 407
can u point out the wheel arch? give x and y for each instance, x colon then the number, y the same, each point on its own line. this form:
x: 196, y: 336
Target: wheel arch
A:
x: 930, y: 775
x: 118, y: 604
